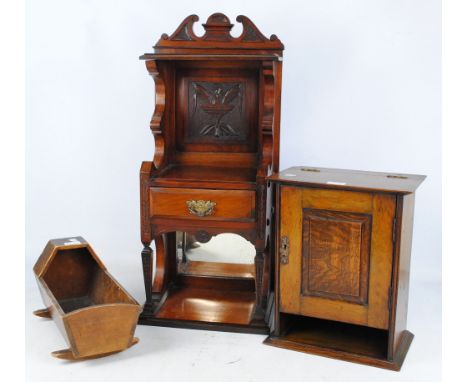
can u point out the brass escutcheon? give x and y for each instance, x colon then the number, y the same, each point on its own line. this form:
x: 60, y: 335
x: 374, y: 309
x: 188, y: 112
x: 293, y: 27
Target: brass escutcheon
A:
x: 284, y: 250
x: 200, y: 207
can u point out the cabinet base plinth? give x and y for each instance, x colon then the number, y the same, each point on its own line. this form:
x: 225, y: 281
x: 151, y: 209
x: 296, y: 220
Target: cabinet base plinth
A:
x: 253, y: 328
x: 320, y: 347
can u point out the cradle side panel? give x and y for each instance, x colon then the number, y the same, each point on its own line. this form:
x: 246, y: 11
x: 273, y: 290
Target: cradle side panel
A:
x: 53, y: 307
x: 101, y: 329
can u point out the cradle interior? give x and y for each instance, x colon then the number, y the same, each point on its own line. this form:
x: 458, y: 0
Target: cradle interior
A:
x: 77, y: 281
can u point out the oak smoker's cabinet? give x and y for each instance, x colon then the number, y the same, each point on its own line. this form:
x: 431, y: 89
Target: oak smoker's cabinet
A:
x: 343, y: 246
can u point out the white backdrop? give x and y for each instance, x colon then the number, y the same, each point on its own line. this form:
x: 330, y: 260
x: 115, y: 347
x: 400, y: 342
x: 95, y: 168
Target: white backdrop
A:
x: 361, y: 90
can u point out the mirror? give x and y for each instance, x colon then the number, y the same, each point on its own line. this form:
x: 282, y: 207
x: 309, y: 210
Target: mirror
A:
x: 226, y: 254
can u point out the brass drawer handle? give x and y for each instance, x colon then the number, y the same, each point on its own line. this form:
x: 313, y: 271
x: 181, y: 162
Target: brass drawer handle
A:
x: 200, y: 207
x: 284, y: 250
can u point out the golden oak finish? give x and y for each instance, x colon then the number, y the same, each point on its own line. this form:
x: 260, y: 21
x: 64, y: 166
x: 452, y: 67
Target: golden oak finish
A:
x: 327, y: 238
x: 342, y: 263
x: 378, y: 244
x: 342, y: 341
x: 96, y: 316
x: 350, y: 179
x: 403, y: 241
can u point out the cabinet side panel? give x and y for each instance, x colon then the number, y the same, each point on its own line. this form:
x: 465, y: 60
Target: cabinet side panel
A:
x: 290, y: 268
x: 277, y: 69
x: 402, y: 269
x: 381, y: 261
x: 275, y: 231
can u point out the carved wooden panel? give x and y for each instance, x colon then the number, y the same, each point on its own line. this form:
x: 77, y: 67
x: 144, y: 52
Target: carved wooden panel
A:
x: 216, y: 110
x: 336, y: 249
x: 217, y: 28
x: 217, y: 107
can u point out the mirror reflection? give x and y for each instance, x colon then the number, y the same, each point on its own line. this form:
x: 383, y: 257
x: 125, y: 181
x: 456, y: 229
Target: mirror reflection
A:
x: 226, y: 254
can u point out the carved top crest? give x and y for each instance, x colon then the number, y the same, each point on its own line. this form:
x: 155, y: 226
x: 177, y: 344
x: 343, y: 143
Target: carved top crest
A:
x: 217, y: 36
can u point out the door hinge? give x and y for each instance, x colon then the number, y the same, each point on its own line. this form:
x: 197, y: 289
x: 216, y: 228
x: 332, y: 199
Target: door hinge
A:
x: 390, y: 297
x: 394, y: 230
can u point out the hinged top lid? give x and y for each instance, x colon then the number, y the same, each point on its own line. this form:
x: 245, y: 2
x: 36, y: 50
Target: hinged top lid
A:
x: 349, y: 179
x: 217, y: 42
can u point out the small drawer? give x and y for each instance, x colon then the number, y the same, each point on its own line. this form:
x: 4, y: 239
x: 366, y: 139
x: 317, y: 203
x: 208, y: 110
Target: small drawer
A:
x: 202, y: 204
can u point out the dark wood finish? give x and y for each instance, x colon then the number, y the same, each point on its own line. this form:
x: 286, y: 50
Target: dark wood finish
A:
x: 217, y: 103
x: 207, y: 177
x: 205, y: 305
x: 230, y: 204
x: 228, y: 270
x: 216, y: 42
x: 216, y: 130
x: 95, y: 314
x: 198, y: 300
x: 343, y: 246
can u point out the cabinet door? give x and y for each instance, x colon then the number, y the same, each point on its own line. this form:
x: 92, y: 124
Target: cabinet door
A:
x: 336, y: 255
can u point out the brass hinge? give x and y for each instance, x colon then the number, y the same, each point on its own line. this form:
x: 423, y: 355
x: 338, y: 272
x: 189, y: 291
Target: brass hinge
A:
x: 394, y: 230
x: 284, y: 250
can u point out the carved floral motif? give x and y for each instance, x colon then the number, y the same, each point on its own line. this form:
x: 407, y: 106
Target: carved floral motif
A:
x: 216, y: 109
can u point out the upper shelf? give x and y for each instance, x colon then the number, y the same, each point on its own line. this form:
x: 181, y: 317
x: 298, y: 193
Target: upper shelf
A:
x: 349, y: 179
x: 198, y: 56
x: 206, y: 177
x: 217, y: 42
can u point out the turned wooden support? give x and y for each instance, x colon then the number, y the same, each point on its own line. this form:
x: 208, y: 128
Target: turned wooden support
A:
x: 259, y: 270
x: 184, y: 247
x: 147, y: 261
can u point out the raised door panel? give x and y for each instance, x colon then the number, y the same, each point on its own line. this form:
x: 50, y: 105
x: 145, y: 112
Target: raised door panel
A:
x: 335, y: 255
x: 340, y: 254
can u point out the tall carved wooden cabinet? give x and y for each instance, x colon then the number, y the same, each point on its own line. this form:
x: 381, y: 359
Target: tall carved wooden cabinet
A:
x: 342, y: 263
x: 216, y: 127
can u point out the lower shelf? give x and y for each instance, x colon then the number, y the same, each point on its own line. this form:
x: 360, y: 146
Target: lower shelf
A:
x: 187, y: 306
x: 205, y: 268
x: 342, y: 341
x: 194, y: 304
